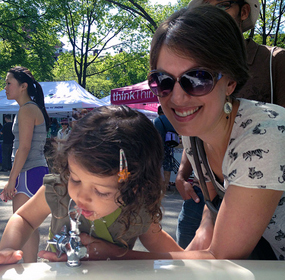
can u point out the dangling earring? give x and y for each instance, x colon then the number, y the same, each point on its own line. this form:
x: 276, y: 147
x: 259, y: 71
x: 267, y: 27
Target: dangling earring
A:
x: 228, y: 107
x: 123, y: 174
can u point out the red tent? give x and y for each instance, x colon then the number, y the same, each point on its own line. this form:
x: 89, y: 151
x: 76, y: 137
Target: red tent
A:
x: 138, y: 96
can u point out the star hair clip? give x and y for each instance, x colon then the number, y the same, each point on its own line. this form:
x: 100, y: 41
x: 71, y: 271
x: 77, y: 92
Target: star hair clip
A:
x: 123, y: 173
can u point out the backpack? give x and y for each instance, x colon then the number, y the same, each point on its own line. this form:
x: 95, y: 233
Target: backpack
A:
x: 171, y: 137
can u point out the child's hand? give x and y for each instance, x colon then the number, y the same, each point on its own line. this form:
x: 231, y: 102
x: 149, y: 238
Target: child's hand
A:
x: 52, y: 257
x: 99, y: 249
x: 10, y: 256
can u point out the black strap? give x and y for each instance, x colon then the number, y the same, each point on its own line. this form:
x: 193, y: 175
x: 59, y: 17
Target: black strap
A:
x: 205, y: 163
x: 202, y: 181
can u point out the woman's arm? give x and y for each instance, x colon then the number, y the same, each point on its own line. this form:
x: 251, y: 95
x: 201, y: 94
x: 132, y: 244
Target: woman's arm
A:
x: 24, y: 222
x: 243, y: 217
x: 204, y: 233
x: 157, y: 240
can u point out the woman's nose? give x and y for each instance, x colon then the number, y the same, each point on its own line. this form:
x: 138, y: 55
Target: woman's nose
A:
x: 178, y: 95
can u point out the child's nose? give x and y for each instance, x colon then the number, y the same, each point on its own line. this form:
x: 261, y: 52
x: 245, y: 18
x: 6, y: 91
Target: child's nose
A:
x: 83, y: 195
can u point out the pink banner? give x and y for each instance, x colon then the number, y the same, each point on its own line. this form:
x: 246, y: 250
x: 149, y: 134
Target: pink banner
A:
x: 147, y: 106
x: 138, y: 93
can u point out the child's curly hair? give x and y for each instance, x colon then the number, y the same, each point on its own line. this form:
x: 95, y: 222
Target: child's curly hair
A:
x: 95, y: 141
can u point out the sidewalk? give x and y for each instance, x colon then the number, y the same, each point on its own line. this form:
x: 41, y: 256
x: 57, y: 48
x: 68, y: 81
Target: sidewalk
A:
x: 171, y: 204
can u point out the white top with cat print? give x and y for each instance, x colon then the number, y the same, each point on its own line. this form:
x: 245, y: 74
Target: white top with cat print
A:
x: 255, y: 158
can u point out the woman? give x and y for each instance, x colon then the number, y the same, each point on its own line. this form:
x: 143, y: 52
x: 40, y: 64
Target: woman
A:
x: 198, y: 62
x: 30, y: 130
x: 236, y: 134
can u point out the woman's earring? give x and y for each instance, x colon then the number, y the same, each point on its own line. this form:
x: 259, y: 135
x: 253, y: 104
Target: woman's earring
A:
x: 228, y: 107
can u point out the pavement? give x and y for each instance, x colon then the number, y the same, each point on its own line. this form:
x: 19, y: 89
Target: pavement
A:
x: 172, y: 203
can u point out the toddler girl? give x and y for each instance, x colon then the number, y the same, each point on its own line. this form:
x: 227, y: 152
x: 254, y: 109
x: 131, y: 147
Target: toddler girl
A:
x: 110, y: 167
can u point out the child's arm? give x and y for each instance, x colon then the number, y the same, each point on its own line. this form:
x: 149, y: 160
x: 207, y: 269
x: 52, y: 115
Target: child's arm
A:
x: 22, y: 224
x: 157, y: 240
x: 10, y: 256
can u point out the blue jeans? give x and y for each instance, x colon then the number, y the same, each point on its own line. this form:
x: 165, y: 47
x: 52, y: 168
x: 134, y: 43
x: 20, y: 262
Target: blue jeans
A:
x: 189, y: 219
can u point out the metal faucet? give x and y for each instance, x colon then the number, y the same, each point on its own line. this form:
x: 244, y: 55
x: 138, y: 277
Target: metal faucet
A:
x: 70, y: 243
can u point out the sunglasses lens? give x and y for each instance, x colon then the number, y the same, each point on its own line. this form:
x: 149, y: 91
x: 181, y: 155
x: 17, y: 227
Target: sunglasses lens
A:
x: 197, y: 82
x: 160, y: 83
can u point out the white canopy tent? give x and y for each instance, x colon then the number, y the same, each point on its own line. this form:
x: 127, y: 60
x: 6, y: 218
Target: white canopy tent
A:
x: 60, y: 98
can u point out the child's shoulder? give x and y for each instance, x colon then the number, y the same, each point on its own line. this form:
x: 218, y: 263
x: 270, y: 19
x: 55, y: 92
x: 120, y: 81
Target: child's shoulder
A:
x: 53, y: 184
x: 51, y: 179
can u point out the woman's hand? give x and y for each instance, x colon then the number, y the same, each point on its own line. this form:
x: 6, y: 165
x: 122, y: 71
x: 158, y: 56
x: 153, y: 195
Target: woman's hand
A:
x: 9, y: 190
x: 204, y: 233
x: 201, y: 240
x: 10, y: 256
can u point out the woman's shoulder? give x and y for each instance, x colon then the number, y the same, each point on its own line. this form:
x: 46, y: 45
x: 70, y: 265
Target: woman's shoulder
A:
x: 256, y: 121
x: 253, y: 106
x: 253, y: 112
x: 29, y: 109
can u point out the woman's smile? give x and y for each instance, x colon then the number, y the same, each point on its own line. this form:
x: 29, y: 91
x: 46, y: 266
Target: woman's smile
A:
x: 185, y: 113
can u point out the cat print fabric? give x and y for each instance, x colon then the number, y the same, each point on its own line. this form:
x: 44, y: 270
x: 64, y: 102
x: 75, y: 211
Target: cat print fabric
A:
x: 255, y: 158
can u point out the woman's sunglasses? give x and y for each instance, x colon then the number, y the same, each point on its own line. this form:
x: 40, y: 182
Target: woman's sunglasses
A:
x: 195, y: 82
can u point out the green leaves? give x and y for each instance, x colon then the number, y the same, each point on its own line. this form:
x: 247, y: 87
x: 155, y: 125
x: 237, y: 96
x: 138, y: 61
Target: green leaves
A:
x: 27, y: 38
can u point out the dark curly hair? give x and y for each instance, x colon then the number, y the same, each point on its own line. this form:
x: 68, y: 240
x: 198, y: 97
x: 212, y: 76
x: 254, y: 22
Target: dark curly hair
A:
x: 95, y: 142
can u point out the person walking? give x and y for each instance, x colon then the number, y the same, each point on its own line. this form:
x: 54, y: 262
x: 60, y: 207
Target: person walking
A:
x: 7, y: 145
x: 30, y: 129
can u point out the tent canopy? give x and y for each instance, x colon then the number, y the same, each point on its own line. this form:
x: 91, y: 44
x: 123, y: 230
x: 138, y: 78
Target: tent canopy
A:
x: 59, y: 97
x: 138, y: 93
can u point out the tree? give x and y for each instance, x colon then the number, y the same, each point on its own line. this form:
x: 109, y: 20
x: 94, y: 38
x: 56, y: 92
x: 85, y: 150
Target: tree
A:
x: 112, y: 73
x: 27, y: 37
x: 93, y: 25
x: 269, y: 25
x: 63, y: 69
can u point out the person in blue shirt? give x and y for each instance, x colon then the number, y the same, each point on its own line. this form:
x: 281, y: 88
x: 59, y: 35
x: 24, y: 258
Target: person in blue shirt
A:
x: 163, y: 125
